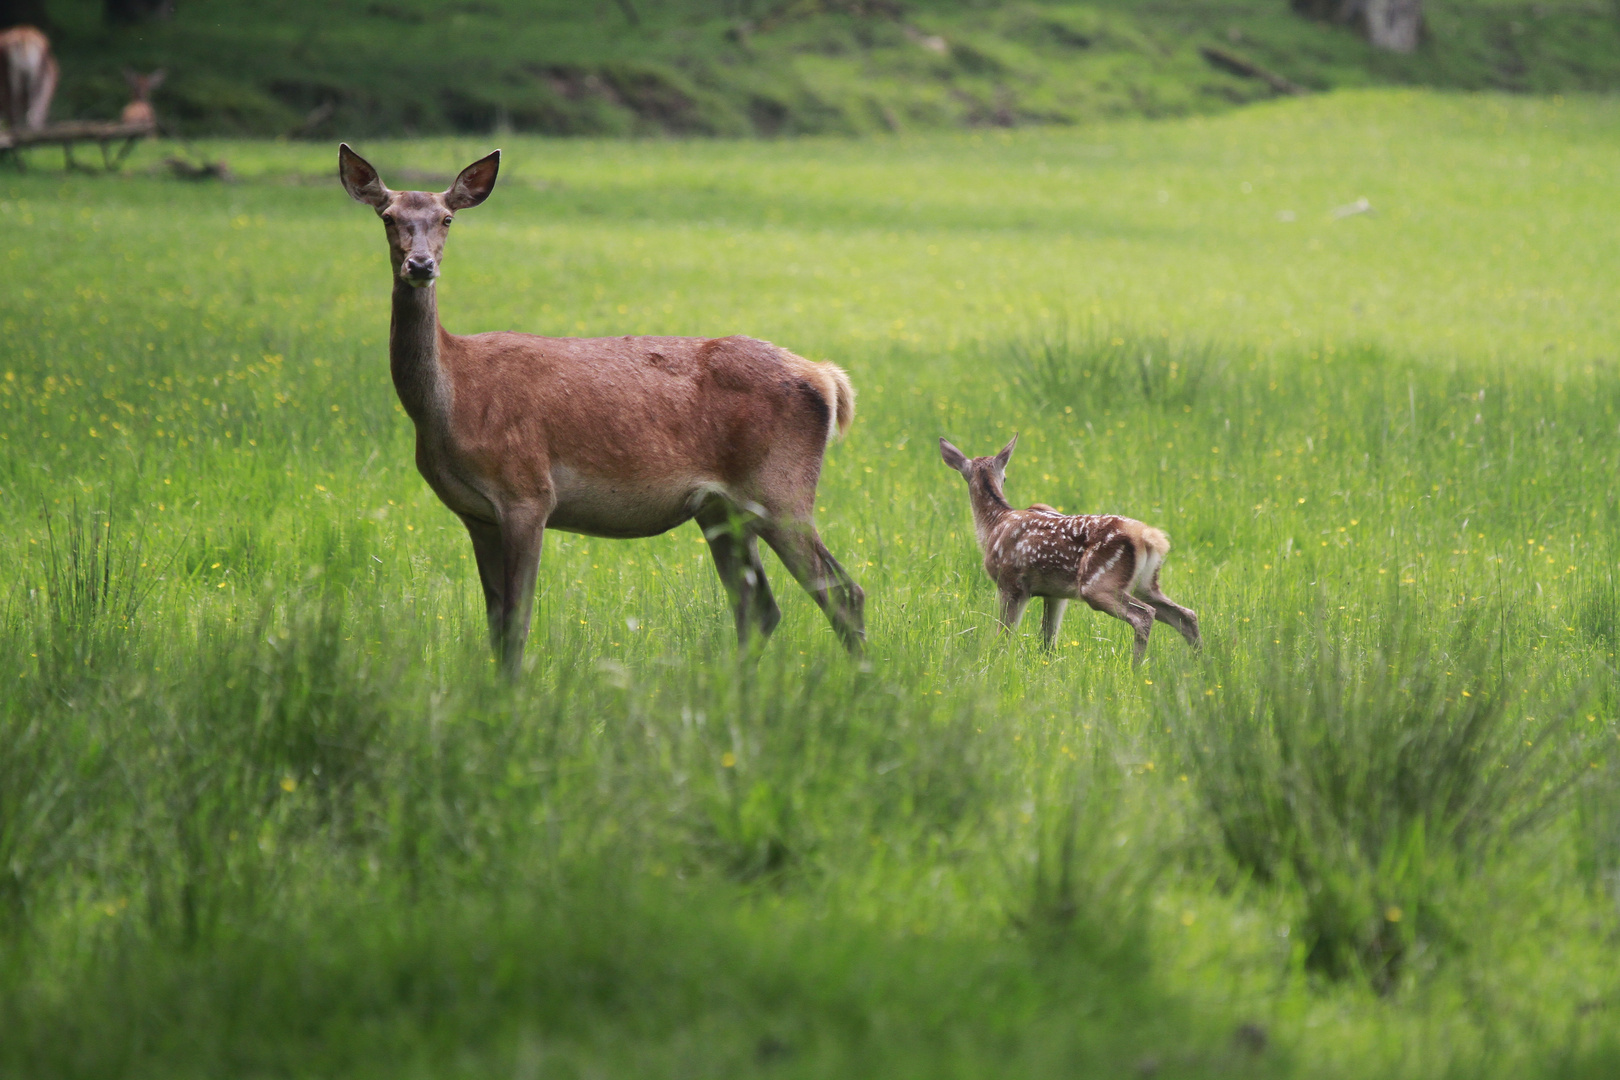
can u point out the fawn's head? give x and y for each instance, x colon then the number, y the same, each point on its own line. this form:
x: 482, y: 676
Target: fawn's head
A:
x: 984, y: 475
x: 141, y: 86
x: 417, y: 221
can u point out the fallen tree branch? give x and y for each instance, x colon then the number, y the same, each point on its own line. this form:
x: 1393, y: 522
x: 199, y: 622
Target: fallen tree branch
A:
x: 1237, y: 65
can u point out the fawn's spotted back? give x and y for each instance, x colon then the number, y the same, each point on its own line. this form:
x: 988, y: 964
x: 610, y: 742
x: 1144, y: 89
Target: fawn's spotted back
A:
x: 1110, y: 562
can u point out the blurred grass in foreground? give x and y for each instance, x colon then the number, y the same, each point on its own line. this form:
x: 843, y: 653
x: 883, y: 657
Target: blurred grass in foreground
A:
x: 264, y: 807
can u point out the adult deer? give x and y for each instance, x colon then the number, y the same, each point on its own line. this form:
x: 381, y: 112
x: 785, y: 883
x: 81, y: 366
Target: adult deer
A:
x: 1112, y: 563
x: 139, y: 110
x: 28, y: 75
x: 617, y: 437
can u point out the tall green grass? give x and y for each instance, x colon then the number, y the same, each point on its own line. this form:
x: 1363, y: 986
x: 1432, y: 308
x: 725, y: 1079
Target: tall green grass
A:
x: 265, y: 806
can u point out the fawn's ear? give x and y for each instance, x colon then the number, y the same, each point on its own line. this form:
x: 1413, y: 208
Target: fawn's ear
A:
x: 155, y: 80
x: 1005, y: 455
x: 953, y: 457
x: 360, y: 180
x: 474, y: 184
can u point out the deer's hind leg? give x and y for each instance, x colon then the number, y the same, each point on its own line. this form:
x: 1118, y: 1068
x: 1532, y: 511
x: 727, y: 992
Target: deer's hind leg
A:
x: 735, y: 547
x: 785, y: 488
x: 1106, y: 587
x: 799, y: 547
x: 1166, y: 610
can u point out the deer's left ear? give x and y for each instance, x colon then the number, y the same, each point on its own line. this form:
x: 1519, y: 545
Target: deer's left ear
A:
x: 953, y: 457
x: 474, y: 184
x: 1005, y: 455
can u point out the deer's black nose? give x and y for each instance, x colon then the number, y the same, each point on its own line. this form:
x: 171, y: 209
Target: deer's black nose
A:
x: 418, y: 266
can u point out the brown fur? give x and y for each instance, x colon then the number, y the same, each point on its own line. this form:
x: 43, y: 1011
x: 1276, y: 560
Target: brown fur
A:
x: 139, y: 110
x: 1110, y: 562
x: 28, y: 75
x: 617, y: 437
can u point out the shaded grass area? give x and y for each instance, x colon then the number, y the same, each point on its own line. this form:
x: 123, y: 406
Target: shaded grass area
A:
x: 737, y: 67
x: 264, y: 807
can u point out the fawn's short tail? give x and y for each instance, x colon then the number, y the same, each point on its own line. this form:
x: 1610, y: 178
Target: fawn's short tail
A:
x: 1155, y: 546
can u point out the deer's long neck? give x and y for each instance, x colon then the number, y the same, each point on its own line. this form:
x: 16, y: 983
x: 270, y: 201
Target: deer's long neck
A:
x: 414, y: 340
x: 989, y: 505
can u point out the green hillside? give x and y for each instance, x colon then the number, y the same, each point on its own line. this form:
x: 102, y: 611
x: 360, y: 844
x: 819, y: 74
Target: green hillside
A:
x: 763, y: 67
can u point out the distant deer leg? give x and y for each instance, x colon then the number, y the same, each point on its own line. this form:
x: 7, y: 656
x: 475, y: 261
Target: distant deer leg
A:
x: 736, y: 560
x: 829, y: 584
x: 522, y: 531
x: 1012, y: 609
x: 1052, y: 619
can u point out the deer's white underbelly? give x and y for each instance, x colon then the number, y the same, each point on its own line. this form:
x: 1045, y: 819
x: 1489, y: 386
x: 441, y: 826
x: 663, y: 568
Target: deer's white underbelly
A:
x: 601, y: 506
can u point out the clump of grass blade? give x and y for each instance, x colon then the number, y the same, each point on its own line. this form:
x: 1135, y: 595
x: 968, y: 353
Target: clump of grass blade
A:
x: 1374, y: 780
x: 1092, y: 367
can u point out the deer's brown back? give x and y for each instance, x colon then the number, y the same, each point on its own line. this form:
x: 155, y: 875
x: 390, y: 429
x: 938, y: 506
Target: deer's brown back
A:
x: 635, y: 411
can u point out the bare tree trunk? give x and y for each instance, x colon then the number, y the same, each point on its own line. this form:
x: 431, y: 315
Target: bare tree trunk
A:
x: 1396, y: 25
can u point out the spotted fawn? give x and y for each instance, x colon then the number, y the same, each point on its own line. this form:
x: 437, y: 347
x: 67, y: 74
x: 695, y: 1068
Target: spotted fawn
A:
x: 1112, y: 563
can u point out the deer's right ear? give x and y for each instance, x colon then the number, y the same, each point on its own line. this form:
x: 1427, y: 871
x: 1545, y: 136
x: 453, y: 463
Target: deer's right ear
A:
x: 953, y: 457
x: 360, y: 180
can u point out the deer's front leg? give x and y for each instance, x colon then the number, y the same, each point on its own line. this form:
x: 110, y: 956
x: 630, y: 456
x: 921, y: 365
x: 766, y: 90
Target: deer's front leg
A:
x: 1013, y: 603
x: 1052, y: 619
x: 522, y: 530
x: 486, y: 542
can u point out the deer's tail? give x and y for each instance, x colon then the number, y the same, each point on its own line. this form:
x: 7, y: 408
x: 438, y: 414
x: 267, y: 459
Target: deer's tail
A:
x: 832, y: 384
x: 842, y: 401
x: 1155, y: 546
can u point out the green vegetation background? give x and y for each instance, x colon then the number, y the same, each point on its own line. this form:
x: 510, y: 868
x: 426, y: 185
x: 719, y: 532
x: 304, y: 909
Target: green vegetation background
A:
x: 265, y: 810
x: 341, y: 68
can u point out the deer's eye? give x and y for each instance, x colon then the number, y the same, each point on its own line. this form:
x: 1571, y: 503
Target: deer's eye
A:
x: 448, y: 220
x: 388, y: 219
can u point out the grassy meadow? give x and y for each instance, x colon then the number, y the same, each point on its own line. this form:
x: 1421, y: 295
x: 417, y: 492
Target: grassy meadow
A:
x: 267, y: 810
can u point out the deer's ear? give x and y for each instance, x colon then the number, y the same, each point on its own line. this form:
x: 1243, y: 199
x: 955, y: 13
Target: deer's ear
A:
x: 474, y: 184
x: 155, y: 80
x: 360, y: 180
x: 953, y: 457
x: 1005, y: 455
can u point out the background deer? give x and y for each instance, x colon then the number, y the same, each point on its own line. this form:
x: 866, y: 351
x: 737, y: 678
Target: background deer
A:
x: 139, y: 110
x: 1112, y: 563
x: 618, y: 437
x: 28, y: 75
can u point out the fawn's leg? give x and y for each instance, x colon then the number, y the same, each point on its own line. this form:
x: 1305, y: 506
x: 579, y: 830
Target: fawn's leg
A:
x: 1051, y: 619
x: 1166, y: 610
x: 1012, y: 609
x: 1113, y: 600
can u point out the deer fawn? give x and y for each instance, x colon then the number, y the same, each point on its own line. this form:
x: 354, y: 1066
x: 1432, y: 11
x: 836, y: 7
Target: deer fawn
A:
x: 617, y: 437
x: 139, y: 110
x: 27, y: 77
x: 1112, y: 563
